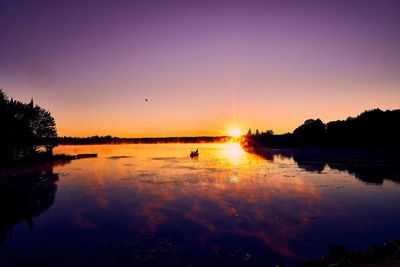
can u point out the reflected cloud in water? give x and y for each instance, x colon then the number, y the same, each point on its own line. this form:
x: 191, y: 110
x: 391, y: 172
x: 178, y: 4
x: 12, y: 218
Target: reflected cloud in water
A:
x: 218, y: 195
x: 228, y: 207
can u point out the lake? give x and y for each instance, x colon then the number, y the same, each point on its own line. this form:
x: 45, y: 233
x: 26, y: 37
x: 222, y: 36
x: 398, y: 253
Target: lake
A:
x: 151, y: 204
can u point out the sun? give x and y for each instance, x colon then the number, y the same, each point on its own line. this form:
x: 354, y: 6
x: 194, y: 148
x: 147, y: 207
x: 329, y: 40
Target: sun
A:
x: 235, y: 132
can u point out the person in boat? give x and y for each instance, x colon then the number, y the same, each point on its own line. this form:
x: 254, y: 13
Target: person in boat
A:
x: 194, y: 153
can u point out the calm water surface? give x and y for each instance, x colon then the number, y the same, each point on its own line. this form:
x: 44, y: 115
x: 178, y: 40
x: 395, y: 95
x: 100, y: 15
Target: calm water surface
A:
x: 152, y: 205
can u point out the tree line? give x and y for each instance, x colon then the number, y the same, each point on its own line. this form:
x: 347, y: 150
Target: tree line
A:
x: 372, y: 128
x: 108, y: 139
x: 27, y: 130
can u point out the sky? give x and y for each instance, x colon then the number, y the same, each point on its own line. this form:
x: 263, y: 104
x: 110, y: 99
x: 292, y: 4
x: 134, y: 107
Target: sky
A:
x: 204, y: 66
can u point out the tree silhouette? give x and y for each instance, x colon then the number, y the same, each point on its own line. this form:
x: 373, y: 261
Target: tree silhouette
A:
x: 311, y: 132
x: 371, y: 129
x: 249, y: 132
x: 268, y: 132
x: 27, y: 130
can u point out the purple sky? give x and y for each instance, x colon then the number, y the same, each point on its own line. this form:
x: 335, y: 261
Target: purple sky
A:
x: 205, y: 66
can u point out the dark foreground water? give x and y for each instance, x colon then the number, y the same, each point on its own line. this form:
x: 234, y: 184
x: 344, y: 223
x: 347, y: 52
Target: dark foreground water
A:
x: 150, y: 205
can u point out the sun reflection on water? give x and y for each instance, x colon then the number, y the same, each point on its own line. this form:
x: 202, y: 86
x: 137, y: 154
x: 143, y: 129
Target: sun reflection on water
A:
x: 234, y: 152
x: 267, y: 201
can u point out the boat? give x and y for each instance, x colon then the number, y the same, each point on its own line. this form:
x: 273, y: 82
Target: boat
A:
x: 194, y: 154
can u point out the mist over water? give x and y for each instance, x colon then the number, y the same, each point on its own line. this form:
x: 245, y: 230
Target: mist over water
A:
x: 154, y: 205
